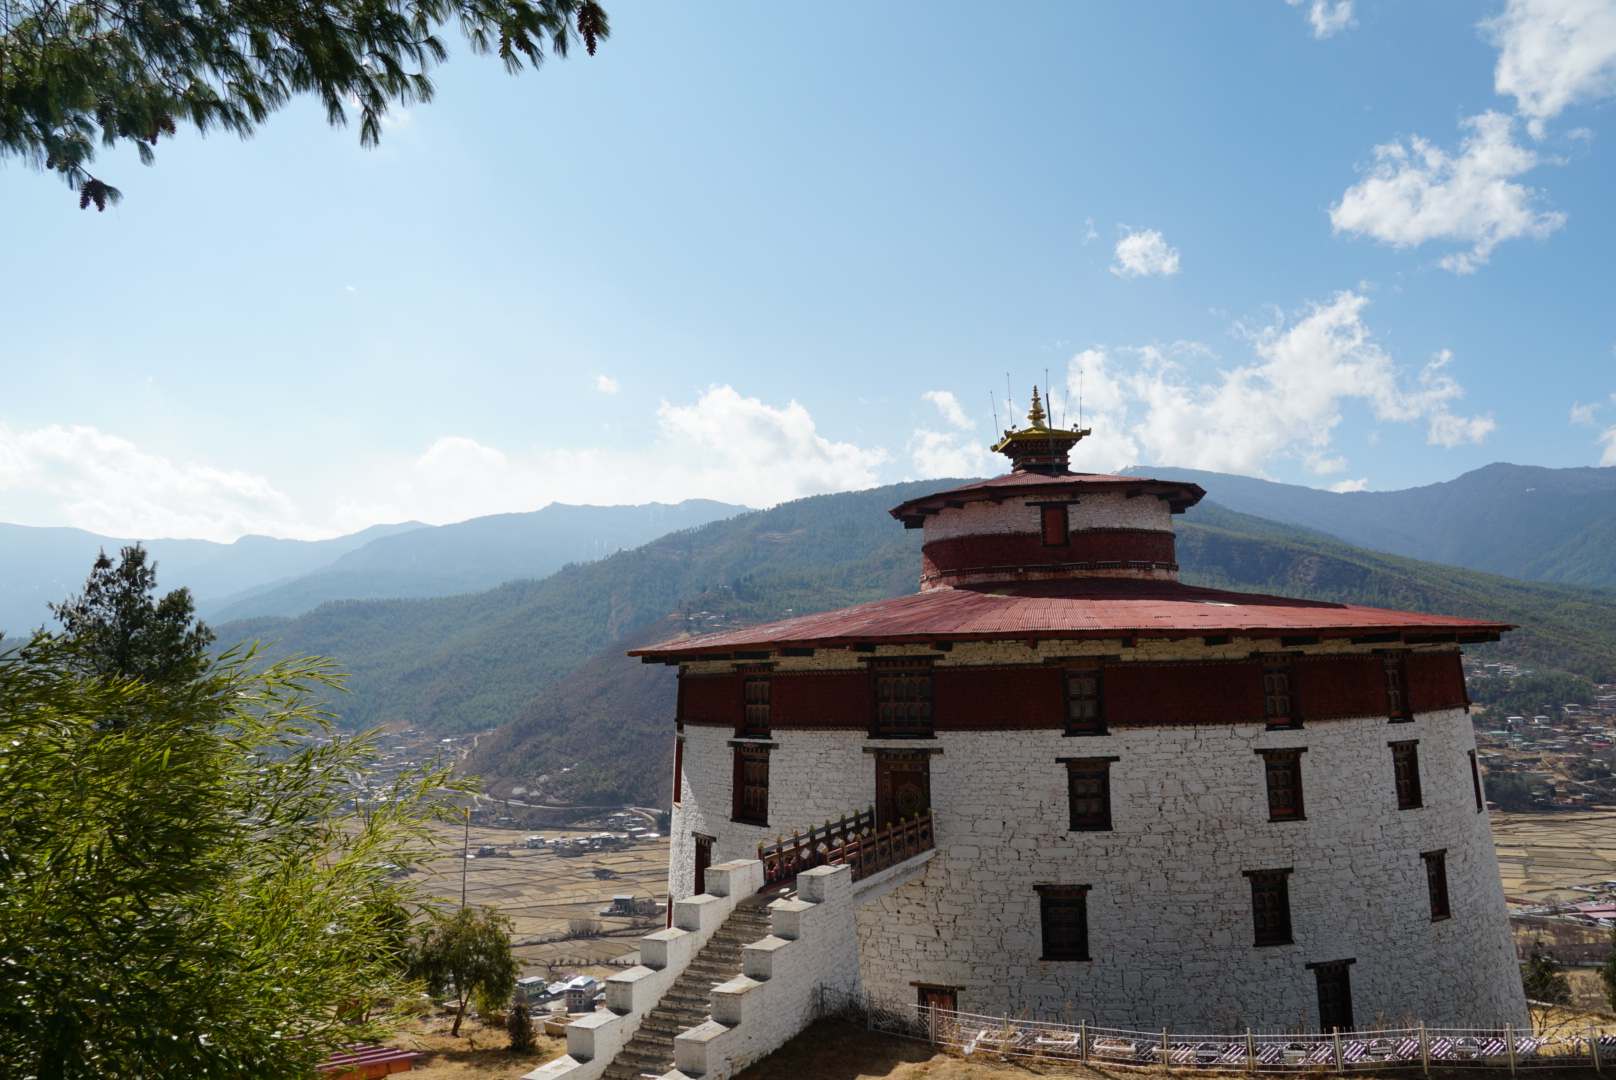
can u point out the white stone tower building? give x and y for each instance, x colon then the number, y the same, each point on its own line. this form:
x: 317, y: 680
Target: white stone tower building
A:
x: 1151, y: 804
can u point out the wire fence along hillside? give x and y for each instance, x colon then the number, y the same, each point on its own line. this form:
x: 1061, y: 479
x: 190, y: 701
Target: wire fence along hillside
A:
x: 1424, y: 1047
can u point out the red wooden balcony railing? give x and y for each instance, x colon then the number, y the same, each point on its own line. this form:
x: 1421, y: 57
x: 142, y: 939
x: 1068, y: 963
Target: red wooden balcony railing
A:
x: 854, y: 841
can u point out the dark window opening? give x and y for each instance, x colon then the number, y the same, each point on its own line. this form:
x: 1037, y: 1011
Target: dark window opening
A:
x: 903, y: 701
x: 1335, y: 995
x: 678, y: 769
x: 1064, y: 914
x: 752, y: 786
x: 704, y: 859
x: 1436, y: 883
x: 1270, y: 906
x: 1406, y: 769
x: 1475, y: 782
x: 1279, y: 703
x: 1083, y: 713
x: 1284, y: 772
x: 1056, y: 528
x: 1088, y: 785
x: 757, y: 705
x: 1396, y: 700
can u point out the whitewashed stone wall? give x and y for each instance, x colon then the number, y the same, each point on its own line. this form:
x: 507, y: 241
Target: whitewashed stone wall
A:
x: 1170, y: 924
x: 1105, y: 510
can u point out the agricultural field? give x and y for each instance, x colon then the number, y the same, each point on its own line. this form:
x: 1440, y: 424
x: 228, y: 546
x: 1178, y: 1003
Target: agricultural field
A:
x: 1550, y: 857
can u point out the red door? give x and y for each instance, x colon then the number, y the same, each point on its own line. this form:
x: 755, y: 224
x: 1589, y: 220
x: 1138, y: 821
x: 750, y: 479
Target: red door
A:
x: 903, y: 789
x: 704, y: 859
x: 940, y: 998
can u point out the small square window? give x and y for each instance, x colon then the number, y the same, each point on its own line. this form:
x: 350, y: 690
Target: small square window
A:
x: 1283, y: 770
x: 1436, y: 883
x: 1083, y: 713
x: 1406, y: 772
x: 1064, y: 913
x: 1270, y: 906
x: 1088, y: 786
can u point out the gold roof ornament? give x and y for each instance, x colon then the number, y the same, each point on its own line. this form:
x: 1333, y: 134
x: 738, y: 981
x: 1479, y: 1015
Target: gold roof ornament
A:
x: 1039, y: 447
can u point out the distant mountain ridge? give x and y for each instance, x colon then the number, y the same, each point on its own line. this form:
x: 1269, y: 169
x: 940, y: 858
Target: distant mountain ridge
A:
x: 1522, y: 521
x: 472, y: 556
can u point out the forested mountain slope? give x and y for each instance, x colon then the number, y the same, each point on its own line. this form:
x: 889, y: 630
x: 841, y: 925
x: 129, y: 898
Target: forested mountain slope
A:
x: 1520, y: 520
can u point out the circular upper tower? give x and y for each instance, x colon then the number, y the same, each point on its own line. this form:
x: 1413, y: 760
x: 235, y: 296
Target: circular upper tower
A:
x: 1042, y: 521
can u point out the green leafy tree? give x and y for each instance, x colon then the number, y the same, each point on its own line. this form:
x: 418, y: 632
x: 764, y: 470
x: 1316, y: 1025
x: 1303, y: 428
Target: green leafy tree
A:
x: 519, y: 1023
x: 1544, y: 982
x: 119, y: 628
x: 468, y: 953
x: 211, y: 892
x: 77, y: 72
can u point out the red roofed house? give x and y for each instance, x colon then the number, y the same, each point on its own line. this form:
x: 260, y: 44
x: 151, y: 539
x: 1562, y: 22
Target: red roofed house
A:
x: 1151, y: 804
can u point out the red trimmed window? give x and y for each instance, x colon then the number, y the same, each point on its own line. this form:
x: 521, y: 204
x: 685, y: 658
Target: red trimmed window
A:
x: 1279, y: 703
x: 902, y: 699
x: 752, y: 785
x: 1406, y: 769
x: 1088, y: 785
x: 756, y: 719
x: 1083, y: 713
x: 1284, y: 774
x: 1396, y: 691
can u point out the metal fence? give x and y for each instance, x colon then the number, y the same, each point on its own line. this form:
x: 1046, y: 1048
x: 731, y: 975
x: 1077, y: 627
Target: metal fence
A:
x: 1505, y: 1048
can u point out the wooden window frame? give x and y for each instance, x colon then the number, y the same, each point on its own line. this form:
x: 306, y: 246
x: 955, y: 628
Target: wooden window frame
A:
x: 1436, y: 883
x: 1273, y: 762
x: 751, y: 754
x: 755, y: 694
x: 1279, y: 702
x: 1475, y: 782
x: 1396, y: 675
x: 1070, y: 898
x: 1275, y: 884
x: 1094, y: 725
x: 1083, y: 770
x: 884, y: 673
x: 1334, y: 970
x: 1406, y: 774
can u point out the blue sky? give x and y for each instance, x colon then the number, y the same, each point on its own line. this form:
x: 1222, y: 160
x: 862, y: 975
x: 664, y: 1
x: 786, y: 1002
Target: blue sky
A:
x: 752, y: 252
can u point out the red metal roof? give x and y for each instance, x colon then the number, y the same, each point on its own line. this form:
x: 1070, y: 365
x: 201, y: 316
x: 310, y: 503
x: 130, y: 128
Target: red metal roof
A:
x: 1077, y: 608
x: 1181, y: 494
x: 362, y: 1057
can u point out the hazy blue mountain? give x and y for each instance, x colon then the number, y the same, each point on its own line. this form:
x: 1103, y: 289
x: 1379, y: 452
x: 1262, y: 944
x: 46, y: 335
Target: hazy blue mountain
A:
x: 1519, y: 520
x: 40, y: 565
x: 471, y: 556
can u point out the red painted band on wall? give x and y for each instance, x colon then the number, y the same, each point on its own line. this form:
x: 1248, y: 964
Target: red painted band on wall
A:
x: 1028, y: 549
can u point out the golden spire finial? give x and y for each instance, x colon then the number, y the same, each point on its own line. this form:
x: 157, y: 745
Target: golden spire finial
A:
x: 1035, y: 415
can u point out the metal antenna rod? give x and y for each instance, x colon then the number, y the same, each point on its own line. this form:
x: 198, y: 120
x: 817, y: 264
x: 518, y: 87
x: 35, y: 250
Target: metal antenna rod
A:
x: 995, y: 407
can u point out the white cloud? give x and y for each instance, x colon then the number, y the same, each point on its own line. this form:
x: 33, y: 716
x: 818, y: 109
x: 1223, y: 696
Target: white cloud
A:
x: 1553, y: 53
x: 1419, y: 192
x: 1341, y: 487
x: 949, y: 406
x: 1144, y: 252
x: 1584, y: 414
x: 1286, y: 402
x: 84, y: 477
x: 1326, y: 18
x: 1088, y: 232
x: 605, y: 385
x: 950, y: 453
